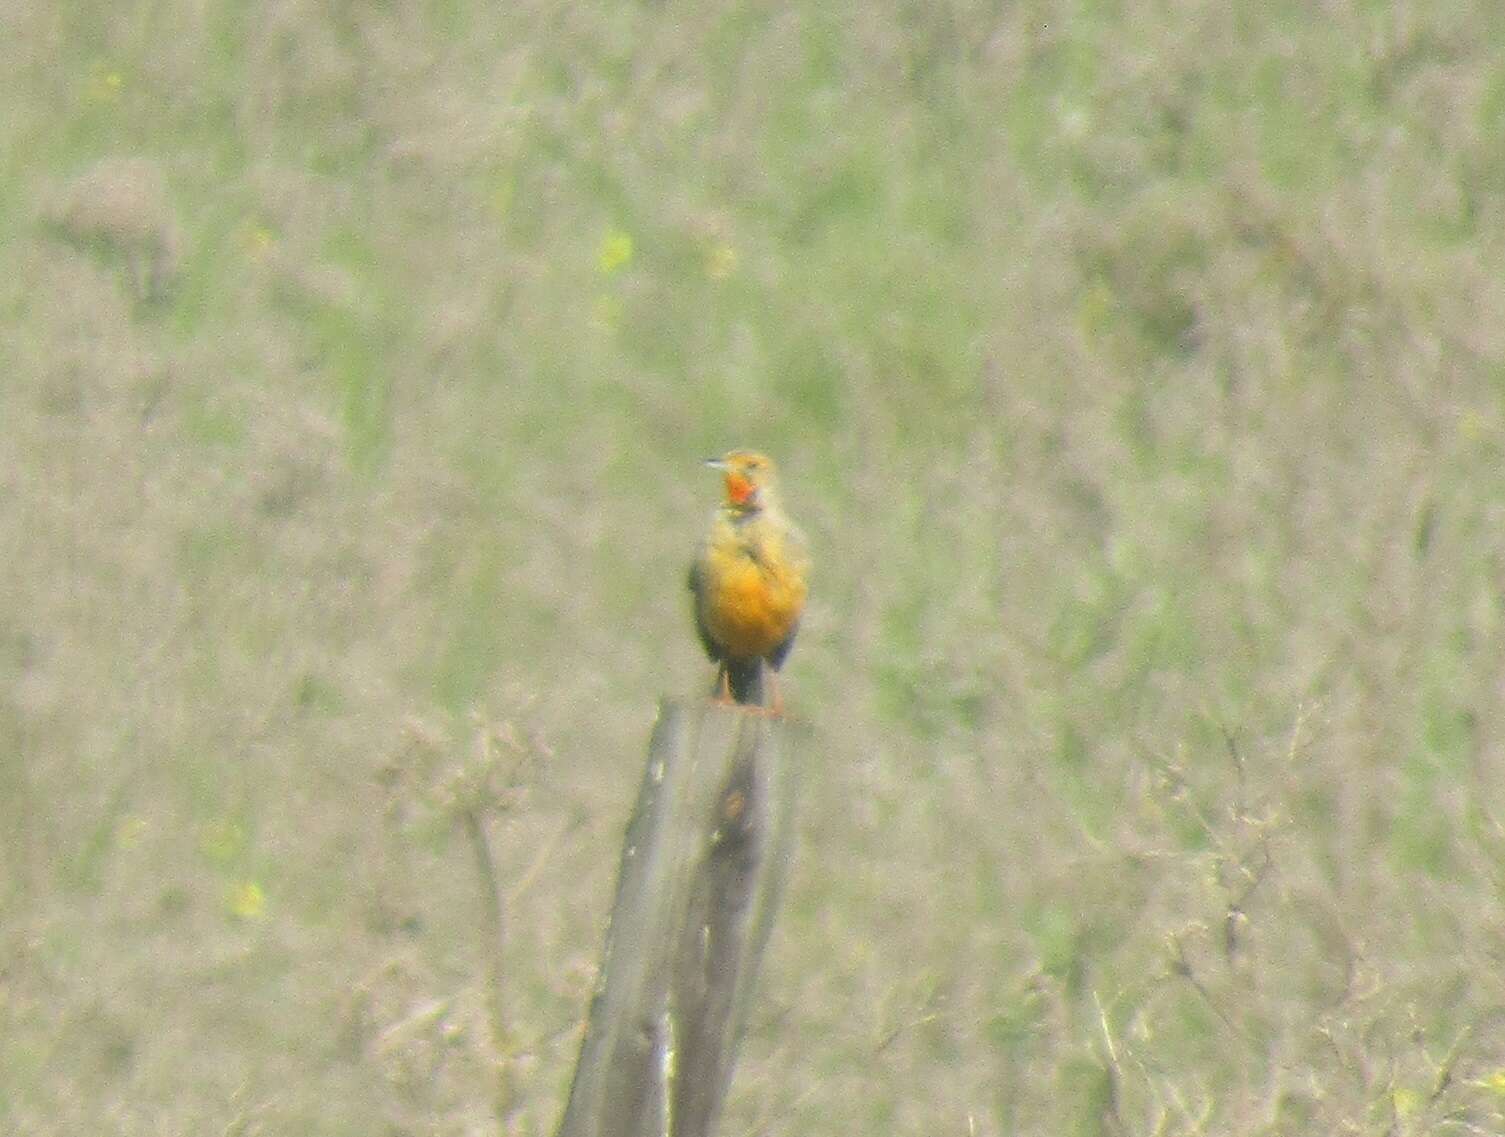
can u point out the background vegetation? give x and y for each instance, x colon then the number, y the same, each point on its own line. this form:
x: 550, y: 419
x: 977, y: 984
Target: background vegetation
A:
x: 1137, y: 373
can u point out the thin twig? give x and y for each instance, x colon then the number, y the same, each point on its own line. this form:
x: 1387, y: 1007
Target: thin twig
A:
x: 492, y: 903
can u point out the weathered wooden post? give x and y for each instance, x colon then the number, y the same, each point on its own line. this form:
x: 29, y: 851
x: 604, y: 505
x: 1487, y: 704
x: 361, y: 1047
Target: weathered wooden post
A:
x: 702, y: 868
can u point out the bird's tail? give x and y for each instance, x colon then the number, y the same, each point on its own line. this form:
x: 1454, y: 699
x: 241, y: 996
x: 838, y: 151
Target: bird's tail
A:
x: 745, y: 677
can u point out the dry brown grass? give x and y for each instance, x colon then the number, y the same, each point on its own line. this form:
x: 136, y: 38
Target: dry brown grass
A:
x: 1137, y: 375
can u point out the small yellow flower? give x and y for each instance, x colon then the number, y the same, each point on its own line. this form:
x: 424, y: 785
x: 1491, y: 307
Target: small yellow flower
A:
x: 616, y: 251
x: 105, y: 84
x: 1407, y: 1102
x: 720, y: 261
x: 259, y: 240
x: 1494, y: 1083
x: 129, y: 832
x: 247, y: 900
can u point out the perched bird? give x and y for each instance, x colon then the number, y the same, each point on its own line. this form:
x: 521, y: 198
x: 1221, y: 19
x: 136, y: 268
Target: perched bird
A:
x: 748, y: 580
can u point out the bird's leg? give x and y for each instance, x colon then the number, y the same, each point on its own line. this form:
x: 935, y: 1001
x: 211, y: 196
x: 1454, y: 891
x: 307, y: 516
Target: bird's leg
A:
x: 723, y: 692
x: 775, y: 694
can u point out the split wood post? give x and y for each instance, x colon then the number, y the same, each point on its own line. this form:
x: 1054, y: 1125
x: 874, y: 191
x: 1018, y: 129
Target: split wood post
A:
x: 702, y: 867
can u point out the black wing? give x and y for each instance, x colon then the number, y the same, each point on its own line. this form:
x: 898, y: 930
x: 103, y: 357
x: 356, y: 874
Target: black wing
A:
x: 777, y: 655
x: 693, y: 580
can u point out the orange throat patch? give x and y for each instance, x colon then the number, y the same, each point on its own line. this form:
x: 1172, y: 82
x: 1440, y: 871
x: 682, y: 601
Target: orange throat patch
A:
x: 739, y: 490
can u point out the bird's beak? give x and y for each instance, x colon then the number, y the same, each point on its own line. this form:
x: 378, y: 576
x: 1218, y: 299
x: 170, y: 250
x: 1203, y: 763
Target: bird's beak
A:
x: 716, y: 463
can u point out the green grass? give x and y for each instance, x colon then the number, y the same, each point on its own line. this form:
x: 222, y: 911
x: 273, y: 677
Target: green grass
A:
x: 1136, y: 372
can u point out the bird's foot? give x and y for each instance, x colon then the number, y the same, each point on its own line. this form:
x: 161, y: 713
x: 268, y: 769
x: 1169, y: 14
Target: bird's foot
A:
x: 776, y: 696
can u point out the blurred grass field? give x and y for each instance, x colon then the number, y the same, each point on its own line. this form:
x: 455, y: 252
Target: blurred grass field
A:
x: 1138, y: 373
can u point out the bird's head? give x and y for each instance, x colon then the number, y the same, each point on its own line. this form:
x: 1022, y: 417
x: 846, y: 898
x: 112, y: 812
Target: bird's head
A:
x: 749, y: 478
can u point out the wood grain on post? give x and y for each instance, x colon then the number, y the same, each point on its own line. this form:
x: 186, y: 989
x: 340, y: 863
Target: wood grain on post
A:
x: 702, y: 867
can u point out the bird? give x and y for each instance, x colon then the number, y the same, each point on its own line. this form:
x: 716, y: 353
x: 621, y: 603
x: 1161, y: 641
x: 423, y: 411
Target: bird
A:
x: 749, y: 581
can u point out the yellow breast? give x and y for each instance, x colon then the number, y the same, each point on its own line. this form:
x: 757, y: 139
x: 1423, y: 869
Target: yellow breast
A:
x: 752, y: 591
x: 748, y: 611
